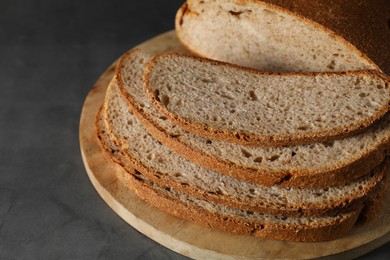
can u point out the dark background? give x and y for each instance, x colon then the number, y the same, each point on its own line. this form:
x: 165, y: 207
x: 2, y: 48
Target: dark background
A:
x: 51, y: 53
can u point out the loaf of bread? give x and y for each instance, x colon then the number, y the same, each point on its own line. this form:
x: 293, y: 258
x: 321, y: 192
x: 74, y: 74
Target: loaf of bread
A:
x: 295, y: 152
x: 284, y: 35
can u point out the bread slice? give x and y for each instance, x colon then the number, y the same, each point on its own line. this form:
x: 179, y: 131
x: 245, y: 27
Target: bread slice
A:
x: 225, y: 218
x: 241, y: 222
x: 169, y: 169
x: 314, y: 165
x: 283, y: 35
x: 226, y: 102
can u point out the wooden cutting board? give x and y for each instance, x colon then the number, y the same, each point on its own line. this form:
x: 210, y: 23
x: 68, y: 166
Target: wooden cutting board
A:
x: 189, y: 239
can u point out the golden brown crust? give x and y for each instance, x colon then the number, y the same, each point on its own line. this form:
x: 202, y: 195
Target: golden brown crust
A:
x: 375, y: 203
x: 239, y: 226
x: 253, y: 139
x: 363, y: 26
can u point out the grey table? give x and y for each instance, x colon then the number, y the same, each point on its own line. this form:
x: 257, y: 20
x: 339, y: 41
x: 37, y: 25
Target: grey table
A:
x: 51, y: 53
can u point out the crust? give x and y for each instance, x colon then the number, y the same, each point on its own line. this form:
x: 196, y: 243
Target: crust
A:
x: 317, y: 178
x: 253, y: 139
x: 368, y: 37
x: 240, y: 226
x: 128, y: 163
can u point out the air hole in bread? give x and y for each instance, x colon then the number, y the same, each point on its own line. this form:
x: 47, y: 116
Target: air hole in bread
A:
x: 329, y: 144
x: 177, y: 175
x: 249, y: 212
x: 207, y: 80
x: 379, y: 86
x: 209, y: 142
x: 163, y: 118
x: 165, y: 100
x: 238, y: 14
x: 274, y: 158
x: 184, y: 184
x: 168, y: 189
x: 252, y: 96
x: 246, y: 153
x: 252, y: 191
x: 258, y: 159
x: 293, y: 154
x: 362, y: 95
x: 303, y: 127
x: 331, y: 65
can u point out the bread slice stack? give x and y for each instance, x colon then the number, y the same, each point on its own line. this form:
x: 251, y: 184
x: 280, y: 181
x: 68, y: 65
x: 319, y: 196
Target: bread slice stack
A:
x: 297, y: 156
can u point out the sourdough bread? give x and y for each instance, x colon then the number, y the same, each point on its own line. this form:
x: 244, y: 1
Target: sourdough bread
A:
x: 168, y: 169
x: 314, y: 165
x: 224, y: 218
x: 282, y: 35
x: 236, y: 104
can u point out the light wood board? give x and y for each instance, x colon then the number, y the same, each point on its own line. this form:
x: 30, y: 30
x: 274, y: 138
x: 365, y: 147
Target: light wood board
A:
x: 189, y: 239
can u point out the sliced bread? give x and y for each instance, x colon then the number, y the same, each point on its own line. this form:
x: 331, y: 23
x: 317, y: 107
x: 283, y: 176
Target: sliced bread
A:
x: 224, y: 218
x: 282, y: 35
x: 314, y: 165
x: 168, y: 169
x: 236, y: 104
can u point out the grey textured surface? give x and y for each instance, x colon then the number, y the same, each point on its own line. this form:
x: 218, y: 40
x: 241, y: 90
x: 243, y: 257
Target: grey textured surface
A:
x: 51, y: 53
